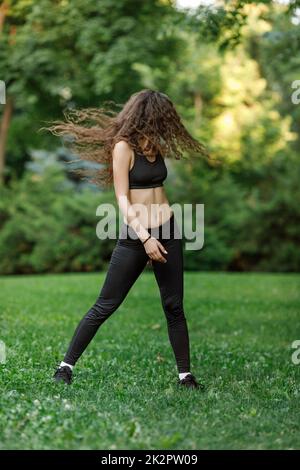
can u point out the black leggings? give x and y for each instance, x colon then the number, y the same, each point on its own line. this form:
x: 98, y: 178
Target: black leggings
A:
x: 127, y: 262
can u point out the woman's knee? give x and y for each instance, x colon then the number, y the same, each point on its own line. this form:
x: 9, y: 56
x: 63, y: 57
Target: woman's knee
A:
x: 102, y: 309
x: 173, y: 307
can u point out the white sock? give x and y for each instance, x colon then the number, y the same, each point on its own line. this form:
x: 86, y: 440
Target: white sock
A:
x: 183, y: 375
x: 62, y: 364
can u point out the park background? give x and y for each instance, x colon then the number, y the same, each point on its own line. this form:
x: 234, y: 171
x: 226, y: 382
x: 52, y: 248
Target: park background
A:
x: 230, y: 68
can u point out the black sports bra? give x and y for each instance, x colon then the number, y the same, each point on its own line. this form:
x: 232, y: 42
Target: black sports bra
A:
x: 146, y: 174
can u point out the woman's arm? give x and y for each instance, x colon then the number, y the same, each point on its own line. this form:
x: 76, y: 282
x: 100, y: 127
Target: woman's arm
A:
x: 121, y: 163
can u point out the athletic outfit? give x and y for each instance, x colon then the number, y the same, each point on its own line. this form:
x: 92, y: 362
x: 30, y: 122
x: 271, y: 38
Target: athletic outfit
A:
x: 127, y: 262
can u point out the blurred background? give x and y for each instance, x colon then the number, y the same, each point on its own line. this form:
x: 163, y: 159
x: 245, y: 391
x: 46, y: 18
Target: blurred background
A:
x: 230, y: 67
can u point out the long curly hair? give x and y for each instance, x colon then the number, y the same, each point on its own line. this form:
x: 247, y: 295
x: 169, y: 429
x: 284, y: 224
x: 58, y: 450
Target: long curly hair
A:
x: 92, y: 133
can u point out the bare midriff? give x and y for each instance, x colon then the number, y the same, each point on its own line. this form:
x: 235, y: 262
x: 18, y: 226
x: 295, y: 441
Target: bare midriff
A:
x: 151, y: 205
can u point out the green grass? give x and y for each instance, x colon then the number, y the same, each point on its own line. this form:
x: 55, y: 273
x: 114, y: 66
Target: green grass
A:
x: 124, y: 394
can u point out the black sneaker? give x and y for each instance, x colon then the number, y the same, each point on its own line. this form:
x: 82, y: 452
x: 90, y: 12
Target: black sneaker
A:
x: 63, y: 374
x: 190, y: 381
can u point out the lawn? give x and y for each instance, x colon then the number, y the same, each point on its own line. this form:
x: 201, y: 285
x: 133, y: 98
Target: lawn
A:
x: 125, y: 394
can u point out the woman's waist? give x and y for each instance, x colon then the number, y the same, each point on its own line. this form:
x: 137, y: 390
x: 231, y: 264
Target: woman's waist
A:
x: 152, y: 215
x: 148, y: 196
x: 167, y: 229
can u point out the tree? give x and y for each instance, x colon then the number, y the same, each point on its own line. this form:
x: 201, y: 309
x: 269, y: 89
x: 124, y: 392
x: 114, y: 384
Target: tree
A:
x: 76, y: 53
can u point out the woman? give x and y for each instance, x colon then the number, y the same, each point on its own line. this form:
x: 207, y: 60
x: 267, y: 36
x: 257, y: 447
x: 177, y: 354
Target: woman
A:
x: 132, y: 144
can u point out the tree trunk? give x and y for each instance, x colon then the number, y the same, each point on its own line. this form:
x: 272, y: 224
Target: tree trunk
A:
x: 4, y: 127
x: 6, y: 116
x: 3, y: 13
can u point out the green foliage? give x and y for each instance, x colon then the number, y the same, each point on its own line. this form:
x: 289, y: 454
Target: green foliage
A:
x: 237, y: 101
x: 79, y: 53
x: 45, y: 225
x: 282, y: 43
x: 269, y: 236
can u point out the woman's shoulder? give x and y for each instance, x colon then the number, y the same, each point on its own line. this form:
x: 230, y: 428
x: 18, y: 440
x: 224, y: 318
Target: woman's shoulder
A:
x: 122, y: 145
x: 122, y: 153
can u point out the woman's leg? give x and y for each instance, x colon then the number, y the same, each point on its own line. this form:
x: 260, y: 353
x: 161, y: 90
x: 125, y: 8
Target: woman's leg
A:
x: 169, y: 277
x: 126, y: 264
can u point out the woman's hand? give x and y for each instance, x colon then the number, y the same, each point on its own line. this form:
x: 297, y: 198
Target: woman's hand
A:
x: 153, y: 249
